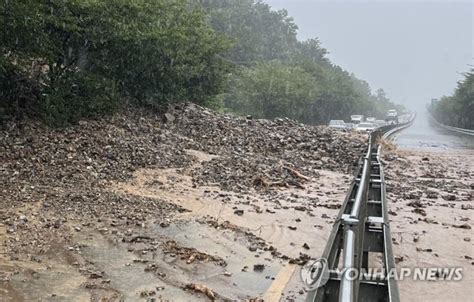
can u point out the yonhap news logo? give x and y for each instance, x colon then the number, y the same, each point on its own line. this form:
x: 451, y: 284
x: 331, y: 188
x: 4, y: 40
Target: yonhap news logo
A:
x: 315, y: 273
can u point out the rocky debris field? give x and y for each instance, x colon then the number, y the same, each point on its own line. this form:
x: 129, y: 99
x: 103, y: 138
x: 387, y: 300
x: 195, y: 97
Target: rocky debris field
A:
x: 82, y: 219
x: 431, y: 211
x: 262, y: 152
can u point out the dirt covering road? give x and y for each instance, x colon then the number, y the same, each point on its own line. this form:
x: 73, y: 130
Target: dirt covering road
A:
x: 431, y: 212
x: 187, y: 207
x: 197, y: 206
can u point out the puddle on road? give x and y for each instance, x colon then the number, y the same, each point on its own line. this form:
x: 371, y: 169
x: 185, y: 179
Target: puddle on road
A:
x: 285, y: 218
x: 233, y: 248
x: 276, y: 213
x: 127, y: 277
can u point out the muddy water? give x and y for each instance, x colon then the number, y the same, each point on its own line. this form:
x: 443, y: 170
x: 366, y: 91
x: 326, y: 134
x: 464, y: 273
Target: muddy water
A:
x: 237, y: 279
x: 127, y: 276
x: 285, y: 219
x: 267, y: 217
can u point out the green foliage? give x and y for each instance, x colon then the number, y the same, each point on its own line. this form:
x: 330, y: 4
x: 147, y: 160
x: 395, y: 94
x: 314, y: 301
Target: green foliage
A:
x: 281, y: 76
x: 62, y: 60
x: 258, y: 32
x: 270, y: 90
x: 164, y: 51
x: 76, y: 96
x: 457, y: 110
x: 84, y: 56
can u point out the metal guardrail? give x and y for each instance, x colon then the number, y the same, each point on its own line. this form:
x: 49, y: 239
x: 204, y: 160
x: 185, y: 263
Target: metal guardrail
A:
x: 451, y: 128
x: 360, y: 234
x: 388, y: 132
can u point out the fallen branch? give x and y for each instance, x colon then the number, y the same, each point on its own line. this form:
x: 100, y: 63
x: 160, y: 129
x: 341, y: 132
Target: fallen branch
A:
x: 201, y: 288
x: 297, y: 174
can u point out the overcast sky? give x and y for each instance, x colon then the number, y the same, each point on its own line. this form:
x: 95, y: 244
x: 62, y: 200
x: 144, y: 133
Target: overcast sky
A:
x: 414, y: 50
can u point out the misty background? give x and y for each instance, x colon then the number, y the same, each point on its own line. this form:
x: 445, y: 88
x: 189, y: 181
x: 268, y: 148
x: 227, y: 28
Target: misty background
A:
x: 415, y: 51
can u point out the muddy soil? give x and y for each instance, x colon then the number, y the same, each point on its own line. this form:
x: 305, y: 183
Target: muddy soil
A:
x: 431, y: 218
x: 198, y: 206
x: 192, y: 206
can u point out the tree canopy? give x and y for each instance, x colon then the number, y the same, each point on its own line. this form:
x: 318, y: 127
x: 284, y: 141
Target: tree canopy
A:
x: 280, y: 76
x: 457, y: 110
x: 63, y: 60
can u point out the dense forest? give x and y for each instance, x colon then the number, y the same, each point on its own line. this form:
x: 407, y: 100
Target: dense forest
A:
x: 457, y: 110
x: 63, y: 60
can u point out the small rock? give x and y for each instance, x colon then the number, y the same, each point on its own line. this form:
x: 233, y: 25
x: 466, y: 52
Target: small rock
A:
x: 300, y: 208
x: 463, y: 226
x: 164, y: 224
x: 449, y: 197
x: 169, y: 118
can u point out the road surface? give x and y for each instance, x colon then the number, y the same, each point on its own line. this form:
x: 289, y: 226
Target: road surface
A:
x: 424, y: 135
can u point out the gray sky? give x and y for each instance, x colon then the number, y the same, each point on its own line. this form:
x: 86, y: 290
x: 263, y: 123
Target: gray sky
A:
x: 414, y: 50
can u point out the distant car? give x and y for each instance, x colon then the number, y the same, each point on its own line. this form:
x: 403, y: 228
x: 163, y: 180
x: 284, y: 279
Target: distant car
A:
x: 337, y: 124
x: 380, y: 123
x: 356, y: 119
x: 392, y: 116
x: 365, y: 127
x: 349, y: 126
x: 392, y: 112
x: 370, y: 119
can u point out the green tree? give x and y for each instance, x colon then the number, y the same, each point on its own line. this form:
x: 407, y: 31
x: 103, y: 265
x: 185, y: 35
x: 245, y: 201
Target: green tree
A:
x: 457, y: 110
x: 259, y: 33
x: 83, y: 57
x: 268, y: 52
x: 270, y: 90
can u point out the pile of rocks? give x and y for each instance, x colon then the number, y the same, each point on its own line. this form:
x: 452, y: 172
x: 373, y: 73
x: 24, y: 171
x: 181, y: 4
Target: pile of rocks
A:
x: 251, y: 149
x: 67, y: 173
x: 60, y: 175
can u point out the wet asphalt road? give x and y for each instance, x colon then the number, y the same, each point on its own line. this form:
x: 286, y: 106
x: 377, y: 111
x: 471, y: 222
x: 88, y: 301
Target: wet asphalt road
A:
x: 427, y: 136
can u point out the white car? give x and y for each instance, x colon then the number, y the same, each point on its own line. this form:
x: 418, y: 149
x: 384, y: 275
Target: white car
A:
x: 356, y: 119
x: 380, y: 123
x: 365, y: 127
x: 349, y: 126
x: 337, y: 124
x: 370, y: 119
x: 392, y: 112
x: 392, y: 116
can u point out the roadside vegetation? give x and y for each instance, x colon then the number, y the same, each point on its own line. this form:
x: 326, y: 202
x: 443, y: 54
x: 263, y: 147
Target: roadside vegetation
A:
x: 457, y: 110
x: 61, y: 61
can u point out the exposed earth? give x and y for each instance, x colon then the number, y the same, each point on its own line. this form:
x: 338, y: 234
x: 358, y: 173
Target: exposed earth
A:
x: 195, y: 206
x: 431, y: 181
x: 190, y: 206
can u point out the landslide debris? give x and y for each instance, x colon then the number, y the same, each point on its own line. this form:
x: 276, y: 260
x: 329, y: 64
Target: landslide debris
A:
x: 262, y: 153
x: 65, y: 172
x: 56, y: 183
